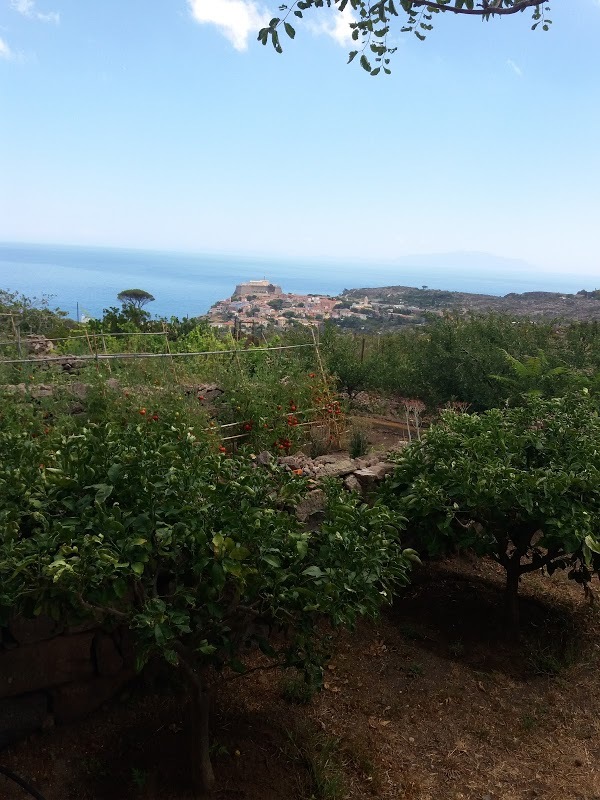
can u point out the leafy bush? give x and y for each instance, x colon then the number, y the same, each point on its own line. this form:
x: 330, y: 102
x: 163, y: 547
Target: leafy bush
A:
x: 143, y: 523
x: 519, y: 484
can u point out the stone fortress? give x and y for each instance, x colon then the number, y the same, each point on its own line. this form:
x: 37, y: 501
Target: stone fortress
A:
x: 256, y: 288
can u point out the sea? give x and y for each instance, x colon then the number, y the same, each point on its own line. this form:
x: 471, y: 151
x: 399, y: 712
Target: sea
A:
x: 88, y: 279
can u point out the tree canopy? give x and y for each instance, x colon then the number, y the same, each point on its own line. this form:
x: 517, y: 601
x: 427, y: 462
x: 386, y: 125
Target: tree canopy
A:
x: 137, y: 298
x: 518, y: 484
x: 372, y: 22
x: 143, y: 524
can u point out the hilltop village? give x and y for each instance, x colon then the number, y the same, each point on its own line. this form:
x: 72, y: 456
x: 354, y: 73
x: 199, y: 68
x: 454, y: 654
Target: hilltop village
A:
x: 262, y: 303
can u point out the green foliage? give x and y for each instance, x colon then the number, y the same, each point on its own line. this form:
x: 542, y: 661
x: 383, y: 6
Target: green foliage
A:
x: 320, y: 757
x: 137, y: 298
x: 372, y: 23
x: 124, y: 512
x: 144, y: 523
x: 483, y: 360
x: 298, y: 688
x: 519, y: 484
x: 31, y: 315
x: 359, y: 443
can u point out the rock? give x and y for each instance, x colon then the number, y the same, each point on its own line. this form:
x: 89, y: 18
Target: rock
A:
x: 344, y: 466
x: 209, y: 391
x: 20, y: 716
x: 377, y: 472
x: 352, y: 483
x: 37, y: 629
x: 80, y: 390
x: 107, y: 657
x: 296, y: 461
x: 38, y: 345
x: 362, y: 400
x: 112, y: 383
x: 38, y: 390
x: 330, y: 458
x: 313, y: 503
x: 11, y: 389
x: 76, y: 700
x: 72, y: 364
x: 264, y: 459
x: 45, y: 664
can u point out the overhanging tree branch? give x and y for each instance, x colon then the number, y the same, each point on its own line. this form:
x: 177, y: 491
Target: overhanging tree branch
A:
x: 372, y: 20
x: 484, y: 9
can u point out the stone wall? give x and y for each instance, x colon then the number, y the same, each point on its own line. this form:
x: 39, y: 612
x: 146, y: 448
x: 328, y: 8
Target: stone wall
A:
x: 49, y: 674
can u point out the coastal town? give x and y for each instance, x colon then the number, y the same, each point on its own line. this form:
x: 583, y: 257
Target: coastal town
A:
x: 260, y: 303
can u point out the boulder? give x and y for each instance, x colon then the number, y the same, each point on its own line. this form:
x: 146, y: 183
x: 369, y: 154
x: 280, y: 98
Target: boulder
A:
x: 371, y: 475
x: 264, y: 458
x: 313, y: 503
x: 337, y: 469
x: 297, y: 461
x: 38, y: 390
x: 11, y: 389
x: 352, y: 483
x: 80, y: 390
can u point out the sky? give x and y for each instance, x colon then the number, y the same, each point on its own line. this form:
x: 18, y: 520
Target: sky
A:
x: 166, y: 125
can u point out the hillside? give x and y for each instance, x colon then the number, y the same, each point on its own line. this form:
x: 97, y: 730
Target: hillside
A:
x: 411, y: 300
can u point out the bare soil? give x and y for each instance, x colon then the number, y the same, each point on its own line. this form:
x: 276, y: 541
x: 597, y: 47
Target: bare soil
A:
x: 432, y: 702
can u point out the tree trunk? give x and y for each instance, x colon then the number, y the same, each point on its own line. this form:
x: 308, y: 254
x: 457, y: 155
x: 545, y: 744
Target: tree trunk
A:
x: 203, y: 777
x: 202, y: 771
x: 512, y: 598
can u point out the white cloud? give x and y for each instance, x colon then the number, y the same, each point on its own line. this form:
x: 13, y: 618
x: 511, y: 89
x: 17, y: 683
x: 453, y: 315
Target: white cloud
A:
x: 515, y: 67
x: 5, y: 52
x: 27, y: 9
x: 337, y: 26
x: 235, y: 19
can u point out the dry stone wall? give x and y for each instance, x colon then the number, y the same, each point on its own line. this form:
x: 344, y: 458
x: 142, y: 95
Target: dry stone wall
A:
x: 49, y: 674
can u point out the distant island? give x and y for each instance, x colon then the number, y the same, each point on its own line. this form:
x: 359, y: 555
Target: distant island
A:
x: 260, y: 302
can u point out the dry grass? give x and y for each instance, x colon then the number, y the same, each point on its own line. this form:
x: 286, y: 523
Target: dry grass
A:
x: 432, y: 703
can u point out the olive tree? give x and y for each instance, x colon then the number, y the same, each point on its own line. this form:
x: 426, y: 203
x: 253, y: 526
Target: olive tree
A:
x: 373, y: 21
x: 521, y: 485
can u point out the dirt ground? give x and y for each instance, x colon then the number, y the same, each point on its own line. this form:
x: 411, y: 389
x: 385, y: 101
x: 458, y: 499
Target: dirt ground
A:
x: 432, y: 702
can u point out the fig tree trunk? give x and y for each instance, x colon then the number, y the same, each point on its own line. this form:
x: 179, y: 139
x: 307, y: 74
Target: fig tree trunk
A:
x: 203, y: 777
x: 202, y: 772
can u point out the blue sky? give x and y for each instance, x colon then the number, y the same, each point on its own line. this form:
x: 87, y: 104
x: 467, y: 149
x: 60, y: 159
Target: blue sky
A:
x: 164, y: 124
